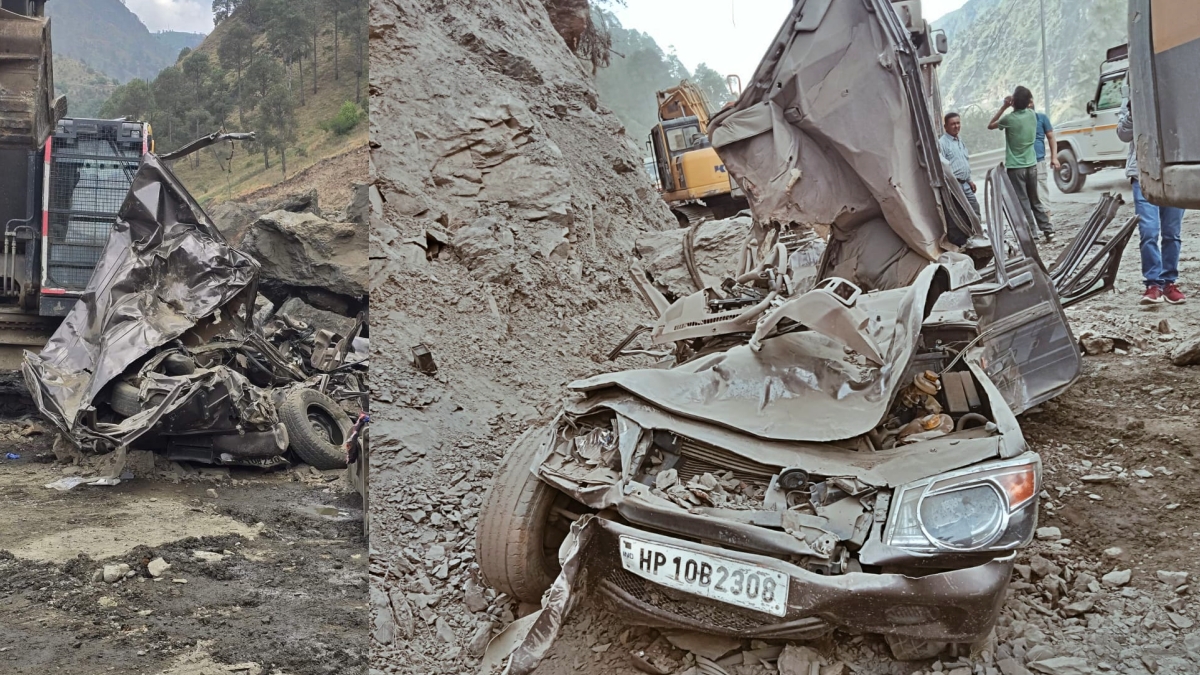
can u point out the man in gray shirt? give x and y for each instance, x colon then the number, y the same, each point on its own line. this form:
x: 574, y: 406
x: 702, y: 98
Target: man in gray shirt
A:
x: 955, y: 152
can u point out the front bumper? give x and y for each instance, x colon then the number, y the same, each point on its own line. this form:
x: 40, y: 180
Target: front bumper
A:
x: 954, y: 606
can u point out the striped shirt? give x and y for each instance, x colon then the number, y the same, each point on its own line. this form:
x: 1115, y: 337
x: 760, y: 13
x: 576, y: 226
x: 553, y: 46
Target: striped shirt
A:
x: 955, y: 152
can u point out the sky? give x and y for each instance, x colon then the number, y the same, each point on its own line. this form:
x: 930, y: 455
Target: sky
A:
x: 188, y: 16
x: 728, y: 35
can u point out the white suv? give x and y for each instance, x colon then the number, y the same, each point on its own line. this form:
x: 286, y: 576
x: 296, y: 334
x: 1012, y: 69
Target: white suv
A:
x: 1089, y: 145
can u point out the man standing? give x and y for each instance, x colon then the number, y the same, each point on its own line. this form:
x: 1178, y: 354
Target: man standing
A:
x: 1020, y: 159
x: 1045, y: 132
x: 955, y: 152
x: 1160, y: 262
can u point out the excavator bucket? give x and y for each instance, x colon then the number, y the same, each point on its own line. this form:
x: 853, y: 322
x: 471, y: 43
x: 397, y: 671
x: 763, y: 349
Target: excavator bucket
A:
x: 28, y: 109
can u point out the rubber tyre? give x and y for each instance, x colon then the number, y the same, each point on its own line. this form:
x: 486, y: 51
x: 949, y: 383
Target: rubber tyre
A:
x: 513, y: 523
x: 309, y: 441
x: 125, y: 399
x: 1067, y: 178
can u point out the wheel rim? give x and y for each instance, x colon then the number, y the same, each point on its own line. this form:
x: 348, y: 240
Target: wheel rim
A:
x: 1065, y: 175
x: 324, y: 424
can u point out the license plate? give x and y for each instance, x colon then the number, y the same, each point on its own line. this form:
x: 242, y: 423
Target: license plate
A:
x: 709, y: 576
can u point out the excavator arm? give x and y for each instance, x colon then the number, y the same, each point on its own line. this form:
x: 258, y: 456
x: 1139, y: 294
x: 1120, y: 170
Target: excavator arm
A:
x: 28, y: 109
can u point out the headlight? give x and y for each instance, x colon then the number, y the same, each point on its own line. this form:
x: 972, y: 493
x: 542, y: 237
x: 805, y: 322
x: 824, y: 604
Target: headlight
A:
x: 990, y: 507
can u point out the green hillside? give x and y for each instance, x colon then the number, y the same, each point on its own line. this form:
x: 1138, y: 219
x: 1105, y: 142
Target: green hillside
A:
x: 995, y: 45
x: 86, y: 89
x: 109, y: 38
x: 255, y: 72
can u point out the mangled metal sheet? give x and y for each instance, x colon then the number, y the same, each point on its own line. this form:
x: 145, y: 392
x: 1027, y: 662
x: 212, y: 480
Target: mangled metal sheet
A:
x: 799, y: 386
x: 834, y: 133
x: 166, y: 274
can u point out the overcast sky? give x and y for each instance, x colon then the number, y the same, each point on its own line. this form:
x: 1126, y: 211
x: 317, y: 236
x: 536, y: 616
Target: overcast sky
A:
x: 729, y: 35
x: 188, y: 16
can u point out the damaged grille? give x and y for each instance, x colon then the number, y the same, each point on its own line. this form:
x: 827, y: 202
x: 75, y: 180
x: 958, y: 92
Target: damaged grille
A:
x: 692, y: 610
x: 700, y: 458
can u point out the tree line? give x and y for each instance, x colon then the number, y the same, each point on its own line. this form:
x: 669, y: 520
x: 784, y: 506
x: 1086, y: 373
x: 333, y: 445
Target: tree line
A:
x: 265, y: 66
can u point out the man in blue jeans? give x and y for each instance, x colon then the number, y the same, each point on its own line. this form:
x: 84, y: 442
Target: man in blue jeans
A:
x: 1160, y: 261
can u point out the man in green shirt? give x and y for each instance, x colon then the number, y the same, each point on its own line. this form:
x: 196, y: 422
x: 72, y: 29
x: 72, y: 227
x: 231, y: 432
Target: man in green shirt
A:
x: 1020, y: 157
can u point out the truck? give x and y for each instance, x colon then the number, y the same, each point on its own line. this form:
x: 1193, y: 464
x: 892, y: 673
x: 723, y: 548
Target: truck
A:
x: 1164, y: 48
x: 1088, y: 145
x: 62, y: 182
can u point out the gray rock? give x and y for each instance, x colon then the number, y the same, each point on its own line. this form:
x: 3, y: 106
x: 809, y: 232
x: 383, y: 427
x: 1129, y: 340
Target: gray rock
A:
x: 383, y: 625
x: 1039, y: 653
x: 480, y: 639
x: 797, y: 660
x: 157, y: 567
x: 1180, y: 621
x: 1117, y: 578
x: 1042, y: 567
x: 1011, y: 666
x: 1062, y: 665
x: 208, y: 556
x: 1188, y: 352
x: 444, y: 631
x: 715, y: 247
x: 114, y: 573
x: 473, y: 597
x: 303, y: 250
x: 358, y: 211
x: 486, y: 248
x: 1173, y: 579
x: 1080, y: 607
x: 1049, y: 533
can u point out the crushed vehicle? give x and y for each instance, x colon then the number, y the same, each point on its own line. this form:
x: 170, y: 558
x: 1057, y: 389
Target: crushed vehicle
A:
x: 838, y: 453
x: 168, y: 350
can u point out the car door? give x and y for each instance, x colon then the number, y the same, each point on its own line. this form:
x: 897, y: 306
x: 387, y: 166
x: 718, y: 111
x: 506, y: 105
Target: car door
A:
x: 1029, y: 350
x: 1109, y: 97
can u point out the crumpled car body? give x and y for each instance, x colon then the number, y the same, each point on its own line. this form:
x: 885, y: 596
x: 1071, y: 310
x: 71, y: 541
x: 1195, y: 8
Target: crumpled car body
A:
x: 163, y: 350
x: 848, y: 457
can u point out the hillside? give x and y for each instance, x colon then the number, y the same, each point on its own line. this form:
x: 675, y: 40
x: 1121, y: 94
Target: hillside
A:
x: 268, y: 47
x: 109, y: 38
x: 995, y: 45
x: 638, y: 69
x: 86, y: 89
x: 176, y: 41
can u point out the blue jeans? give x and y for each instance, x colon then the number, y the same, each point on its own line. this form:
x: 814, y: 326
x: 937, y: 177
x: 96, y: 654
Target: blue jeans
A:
x: 1160, y: 263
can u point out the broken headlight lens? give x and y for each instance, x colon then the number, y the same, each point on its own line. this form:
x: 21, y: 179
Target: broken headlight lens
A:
x: 990, y: 507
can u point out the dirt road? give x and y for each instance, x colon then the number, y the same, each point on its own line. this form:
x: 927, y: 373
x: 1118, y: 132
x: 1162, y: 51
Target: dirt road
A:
x: 279, y: 585
x: 1127, y: 425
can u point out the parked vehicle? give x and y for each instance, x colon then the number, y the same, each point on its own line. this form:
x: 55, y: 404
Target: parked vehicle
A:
x: 1089, y: 145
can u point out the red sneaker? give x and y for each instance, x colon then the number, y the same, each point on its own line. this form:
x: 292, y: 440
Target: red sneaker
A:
x: 1152, y: 296
x: 1173, y: 295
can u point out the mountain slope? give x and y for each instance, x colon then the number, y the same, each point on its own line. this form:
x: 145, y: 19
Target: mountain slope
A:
x: 176, y: 41
x: 109, y: 38
x: 85, y: 87
x: 996, y: 45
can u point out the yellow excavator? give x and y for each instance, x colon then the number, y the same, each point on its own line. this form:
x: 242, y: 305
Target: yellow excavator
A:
x: 691, y: 176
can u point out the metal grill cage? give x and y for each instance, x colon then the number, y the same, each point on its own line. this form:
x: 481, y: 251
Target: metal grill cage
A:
x: 92, y: 164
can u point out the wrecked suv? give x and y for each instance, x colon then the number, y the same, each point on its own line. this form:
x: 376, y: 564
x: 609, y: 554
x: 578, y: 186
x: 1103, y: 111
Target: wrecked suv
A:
x: 841, y: 453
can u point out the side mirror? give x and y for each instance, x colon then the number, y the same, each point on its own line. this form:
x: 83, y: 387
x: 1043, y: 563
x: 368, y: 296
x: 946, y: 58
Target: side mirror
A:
x: 941, y: 43
x: 1091, y: 108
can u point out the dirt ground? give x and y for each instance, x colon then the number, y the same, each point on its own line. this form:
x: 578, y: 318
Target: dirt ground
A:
x: 288, y: 594
x: 1127, y: 425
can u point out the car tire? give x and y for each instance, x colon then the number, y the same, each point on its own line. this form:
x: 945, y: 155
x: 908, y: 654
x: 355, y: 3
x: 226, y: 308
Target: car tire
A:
x: 513, y: 523
x: 317, y: 427
x: 1068, y: 178
x: 125, y: 399
x: 912, y: 649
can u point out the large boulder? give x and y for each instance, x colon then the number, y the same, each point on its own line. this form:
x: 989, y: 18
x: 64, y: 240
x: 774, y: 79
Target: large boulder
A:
x: 304, y: 250
x: 234, y: 219
x: 486, y: 248
x: 298, y: 310
x: 715, y: 248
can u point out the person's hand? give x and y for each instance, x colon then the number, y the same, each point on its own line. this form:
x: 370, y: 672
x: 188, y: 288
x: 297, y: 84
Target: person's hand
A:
x: 1007, y: 101
x: 1055, y: 163
x: 972, y: 186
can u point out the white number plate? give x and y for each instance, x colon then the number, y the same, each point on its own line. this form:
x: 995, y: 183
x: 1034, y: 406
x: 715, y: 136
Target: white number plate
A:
x: 736, y: 583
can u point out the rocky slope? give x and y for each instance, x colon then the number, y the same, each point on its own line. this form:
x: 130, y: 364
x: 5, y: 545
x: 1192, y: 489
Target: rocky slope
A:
x: 505, y: 217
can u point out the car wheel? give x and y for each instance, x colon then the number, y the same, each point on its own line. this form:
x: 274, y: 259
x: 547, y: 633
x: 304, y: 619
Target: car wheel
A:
x: 519, y: 532
x: 317, y: 428
x: 125, y: 399
x: 1068, y: 178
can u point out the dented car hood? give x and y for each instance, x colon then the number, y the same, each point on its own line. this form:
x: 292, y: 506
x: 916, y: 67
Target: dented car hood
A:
x: 166, y: 273
x: 834, y: 133
x: 801, y: 386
